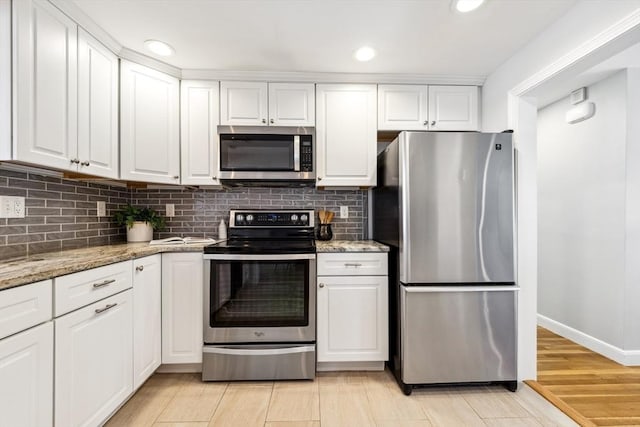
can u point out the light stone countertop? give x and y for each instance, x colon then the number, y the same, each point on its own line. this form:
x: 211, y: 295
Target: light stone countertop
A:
x: 33, y: 268
x: 350, y: 246
x: 24, y: 270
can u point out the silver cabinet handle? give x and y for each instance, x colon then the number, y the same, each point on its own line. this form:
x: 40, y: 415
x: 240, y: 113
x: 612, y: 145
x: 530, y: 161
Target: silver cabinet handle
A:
x: 105, y: 283
x: 352, y: 264
x: 426, y: 122
x: 106, y: 307
x: 319, y: 178
x: 264, y: 120
x: 271, y: 121
x: 433, y: 123
x: 76, y: 161
x: 321, y: 285
x: 176, y: 176
x: 140, y: 268
x: 214, y: 177
x: 85, y: 163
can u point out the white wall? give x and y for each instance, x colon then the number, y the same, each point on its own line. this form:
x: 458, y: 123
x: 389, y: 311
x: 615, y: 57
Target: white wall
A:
x: 579, y: 25
x: 581, y: 214
x: 583, y: 30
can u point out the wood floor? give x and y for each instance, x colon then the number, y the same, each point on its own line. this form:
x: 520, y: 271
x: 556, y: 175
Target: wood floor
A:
x: 333, y: 399
x: 601, y: 391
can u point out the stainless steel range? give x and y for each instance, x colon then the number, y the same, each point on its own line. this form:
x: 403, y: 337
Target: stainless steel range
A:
x: 260, y: 298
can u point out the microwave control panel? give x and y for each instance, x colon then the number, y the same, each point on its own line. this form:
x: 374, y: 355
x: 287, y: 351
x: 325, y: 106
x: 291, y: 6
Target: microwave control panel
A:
x: 306, y: 153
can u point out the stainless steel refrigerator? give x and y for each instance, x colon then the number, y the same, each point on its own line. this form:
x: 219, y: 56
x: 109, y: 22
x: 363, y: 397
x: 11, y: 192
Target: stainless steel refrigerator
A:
x: 444, y: 203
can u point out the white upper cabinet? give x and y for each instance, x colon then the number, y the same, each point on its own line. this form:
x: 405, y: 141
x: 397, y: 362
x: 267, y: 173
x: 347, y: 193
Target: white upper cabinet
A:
x: 346, y: 135
x: 97, y: 108
x: 45, y: 85
x: 200, y: 117
x: 292, y: 104
x: 65, y: 94
x: 421, y: 107
x: 267, y: 104
x: 149, y: 128
x: 243, y: 103
x: 453, y: 108
x: 403, y: 107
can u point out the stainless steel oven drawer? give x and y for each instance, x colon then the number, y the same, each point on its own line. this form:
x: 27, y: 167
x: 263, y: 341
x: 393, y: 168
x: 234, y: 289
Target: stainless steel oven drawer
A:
x: 258, y: 362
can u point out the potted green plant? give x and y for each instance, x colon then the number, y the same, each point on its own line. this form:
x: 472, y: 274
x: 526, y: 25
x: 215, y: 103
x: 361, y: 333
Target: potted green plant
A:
x: 140, y: 222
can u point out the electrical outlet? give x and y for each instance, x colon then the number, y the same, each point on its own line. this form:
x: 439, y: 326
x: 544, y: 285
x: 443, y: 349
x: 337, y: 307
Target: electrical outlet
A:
x: 102, y: 208
x: 12, y: 207
x: 171, y: 210
x: 344, y: 212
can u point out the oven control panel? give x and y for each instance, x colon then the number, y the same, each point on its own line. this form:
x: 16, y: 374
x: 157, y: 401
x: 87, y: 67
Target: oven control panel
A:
x: 292, y: 218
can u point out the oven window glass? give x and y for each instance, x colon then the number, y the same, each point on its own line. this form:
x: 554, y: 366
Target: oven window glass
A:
x: 256, y: 153
x: 259, y: 293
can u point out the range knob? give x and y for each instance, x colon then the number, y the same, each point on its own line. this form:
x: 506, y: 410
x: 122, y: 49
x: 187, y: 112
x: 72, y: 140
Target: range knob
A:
x: 303, y: 218
x: 294, y: 217
x: 249, y: 218
x: 239, y: 218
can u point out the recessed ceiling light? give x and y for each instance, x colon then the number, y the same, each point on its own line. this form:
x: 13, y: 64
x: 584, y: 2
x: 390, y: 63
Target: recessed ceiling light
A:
x: 159, y: 48
x: 467, y: 5
x: 365, y: 53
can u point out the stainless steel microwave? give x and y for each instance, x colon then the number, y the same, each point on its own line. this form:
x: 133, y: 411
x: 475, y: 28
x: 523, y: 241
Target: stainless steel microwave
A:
x: 266, y: 155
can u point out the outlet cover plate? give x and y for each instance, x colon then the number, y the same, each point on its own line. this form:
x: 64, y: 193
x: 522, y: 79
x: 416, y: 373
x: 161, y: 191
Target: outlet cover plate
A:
x: 344, y: 212
x: 170, y: 210
x: 12, y: 207
x: 102, y: 208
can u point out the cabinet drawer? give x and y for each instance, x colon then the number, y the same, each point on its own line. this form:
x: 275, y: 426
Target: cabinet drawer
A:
x: 79, y: 289
x: 352, y: 264
x: 24, y: 307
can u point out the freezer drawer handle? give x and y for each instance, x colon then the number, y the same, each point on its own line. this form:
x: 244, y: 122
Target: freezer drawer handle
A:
x: 352, y: 264
x: 105, y: 283
x: 106, y: 307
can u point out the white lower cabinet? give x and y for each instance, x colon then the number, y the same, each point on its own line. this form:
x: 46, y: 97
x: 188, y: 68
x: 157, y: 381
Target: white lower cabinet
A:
x: 26, y: 378
x: 352, y: 308
x: 93, y: 362
x: 147, y: 305
x: 182, y: 307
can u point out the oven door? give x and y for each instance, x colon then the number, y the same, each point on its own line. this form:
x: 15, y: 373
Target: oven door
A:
x: 259, y: 298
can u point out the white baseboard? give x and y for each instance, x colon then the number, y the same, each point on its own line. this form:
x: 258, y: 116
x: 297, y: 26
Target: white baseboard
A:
x: 624, y: 357
x: 349, y: 366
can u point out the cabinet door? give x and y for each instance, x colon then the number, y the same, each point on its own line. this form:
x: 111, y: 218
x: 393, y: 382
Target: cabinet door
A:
x: 402, y: 107
x: 182, y: 307
x: 243, y: 103
x: 45, y: 85
x: 200, y: 117
x: 93, y: 364
x: 352, y: 318
x: 147, y: 336
x: 98, y: 108
x: 346, y: 135
x: 453, y: 108
x: 150, y: 139
x: 292, y: 104
x: 26, y: 378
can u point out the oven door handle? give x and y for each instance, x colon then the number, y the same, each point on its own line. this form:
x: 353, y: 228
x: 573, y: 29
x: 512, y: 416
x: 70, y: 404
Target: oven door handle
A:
x: 244, y: 257
x: 258, y: 351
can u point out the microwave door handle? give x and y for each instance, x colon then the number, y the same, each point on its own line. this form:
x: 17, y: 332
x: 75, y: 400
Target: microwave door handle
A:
x: 296, y: 153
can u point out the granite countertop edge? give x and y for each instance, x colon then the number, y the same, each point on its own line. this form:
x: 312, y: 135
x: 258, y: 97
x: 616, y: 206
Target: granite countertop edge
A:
x: 34, y: 268
x: 350, y: 246
x: 20, y: 271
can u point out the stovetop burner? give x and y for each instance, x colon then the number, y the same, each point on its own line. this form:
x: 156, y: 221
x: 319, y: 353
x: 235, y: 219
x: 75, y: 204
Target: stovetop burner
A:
x: 268, y: 232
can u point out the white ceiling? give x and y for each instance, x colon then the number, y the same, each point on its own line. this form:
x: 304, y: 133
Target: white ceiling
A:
x: 411, y: 36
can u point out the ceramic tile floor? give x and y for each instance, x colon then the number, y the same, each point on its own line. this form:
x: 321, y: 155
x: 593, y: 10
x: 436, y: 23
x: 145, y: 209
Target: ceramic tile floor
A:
x: 333, y: 399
